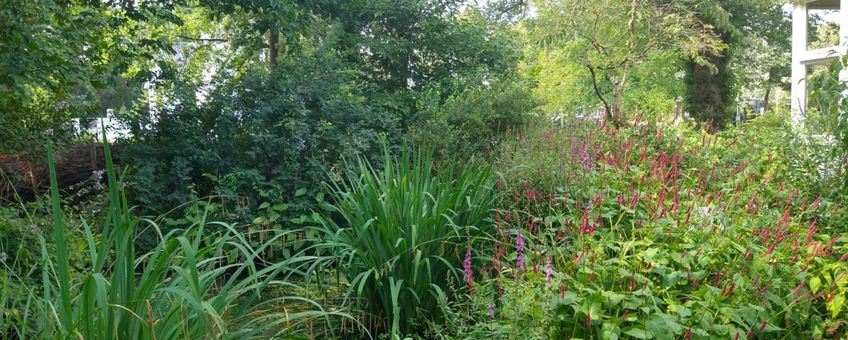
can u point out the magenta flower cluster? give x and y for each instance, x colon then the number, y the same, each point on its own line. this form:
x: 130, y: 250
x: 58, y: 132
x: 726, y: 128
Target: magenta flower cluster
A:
x: 469, y: 273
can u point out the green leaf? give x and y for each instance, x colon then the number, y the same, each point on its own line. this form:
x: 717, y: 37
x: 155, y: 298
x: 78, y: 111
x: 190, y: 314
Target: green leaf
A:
x: 300, y: 192
x: 637, y: 332
x: 611, y: 331
x: 835, y: 305
x: 815, y: 284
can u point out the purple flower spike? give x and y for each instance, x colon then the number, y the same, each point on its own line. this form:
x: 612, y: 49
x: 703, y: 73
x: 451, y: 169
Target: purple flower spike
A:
x: 469, y: 273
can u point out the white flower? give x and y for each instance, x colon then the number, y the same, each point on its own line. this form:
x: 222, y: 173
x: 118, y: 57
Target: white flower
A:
x: 97, y: 175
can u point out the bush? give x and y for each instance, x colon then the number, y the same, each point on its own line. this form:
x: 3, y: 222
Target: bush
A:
x: 829, y: 120
x: 473, y: 121
x: 261, y: 137
x: 394, y: 234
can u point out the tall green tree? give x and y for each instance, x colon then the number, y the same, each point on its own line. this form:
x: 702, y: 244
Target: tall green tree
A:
x: 609, y: 38
x: 739, y: 25
x: 403, y: 48
x: 56, y: 55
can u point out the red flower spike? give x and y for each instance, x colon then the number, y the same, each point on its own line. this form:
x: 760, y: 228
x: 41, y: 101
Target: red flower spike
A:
x: 800, y: 297
x: 579, y: 258
x: 770, y: 250
x: 799, y: 287
x: 832, y: 241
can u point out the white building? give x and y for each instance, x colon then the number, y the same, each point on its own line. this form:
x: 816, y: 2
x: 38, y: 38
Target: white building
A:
x: 802, y: 57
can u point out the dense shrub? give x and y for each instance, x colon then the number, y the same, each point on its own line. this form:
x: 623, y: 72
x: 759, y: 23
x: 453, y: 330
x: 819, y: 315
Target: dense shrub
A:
x: 830, y: 118
x: 262, y: 137
x: 473, y: 121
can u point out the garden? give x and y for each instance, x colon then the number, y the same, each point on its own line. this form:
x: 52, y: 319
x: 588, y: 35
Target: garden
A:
x: 419, y: 169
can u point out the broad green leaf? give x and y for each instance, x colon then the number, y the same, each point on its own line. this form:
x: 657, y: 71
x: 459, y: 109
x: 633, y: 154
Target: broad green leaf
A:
x: 637, y: 332
x: 836, y: 304
x: 815, y: 284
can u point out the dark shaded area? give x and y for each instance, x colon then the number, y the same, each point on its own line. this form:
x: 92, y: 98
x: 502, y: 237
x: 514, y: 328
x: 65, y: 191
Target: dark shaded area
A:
x: 75, y: 164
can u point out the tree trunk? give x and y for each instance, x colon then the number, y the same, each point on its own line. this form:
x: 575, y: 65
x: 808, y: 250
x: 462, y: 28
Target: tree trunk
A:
x: 273, y: 43
x: 708, y: 91
x: 766, y: 99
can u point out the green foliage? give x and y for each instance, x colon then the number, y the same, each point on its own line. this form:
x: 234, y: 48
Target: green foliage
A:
x: 394, y: 232
x: 828, y: 99
x: 825, y: 132
x: 610, y: 38
x: 262, y: 133
x: 473, y: 121
x: 194, y: 284
x: 57, y: 57
x: 241, y: 111
x: 262, y: 138
x: 715, y: 78
x: 661, y: 233
x: 416, y: 45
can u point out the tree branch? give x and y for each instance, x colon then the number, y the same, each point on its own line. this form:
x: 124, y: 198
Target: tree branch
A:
x: 202, y: 39
x: 597, y: 89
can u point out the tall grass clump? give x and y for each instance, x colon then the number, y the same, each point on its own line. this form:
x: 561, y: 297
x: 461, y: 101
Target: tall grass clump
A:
x: 394, y: 232
x: 194, y: 284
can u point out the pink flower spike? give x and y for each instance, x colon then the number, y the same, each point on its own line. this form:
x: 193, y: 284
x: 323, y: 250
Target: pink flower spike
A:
x: 469, y: 273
